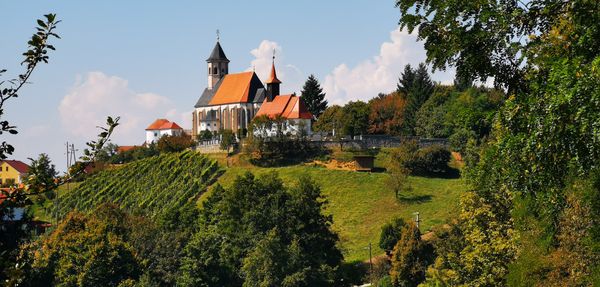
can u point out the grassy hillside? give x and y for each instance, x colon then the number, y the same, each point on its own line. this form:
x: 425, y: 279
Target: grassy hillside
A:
x: 149, y: 186
x: 360, y: 203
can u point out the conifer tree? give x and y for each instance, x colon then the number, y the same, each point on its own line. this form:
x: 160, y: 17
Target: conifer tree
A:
x: 406, y: 80
x: 417, y: 87
x: 313, y: 96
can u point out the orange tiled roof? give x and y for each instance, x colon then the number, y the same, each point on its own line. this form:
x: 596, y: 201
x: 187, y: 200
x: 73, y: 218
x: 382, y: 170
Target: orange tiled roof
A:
x: 20, y: 166
x: 287, y: 106
x: 234, y: 89
x: 125, y: 148
x: 157, y: 124
x: 163, y: 124
x: 273, y: 78
x: 170, y: 126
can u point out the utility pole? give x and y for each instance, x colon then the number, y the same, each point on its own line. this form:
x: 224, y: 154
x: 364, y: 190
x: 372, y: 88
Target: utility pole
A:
x: 370, y: 265
x: 417, y: 220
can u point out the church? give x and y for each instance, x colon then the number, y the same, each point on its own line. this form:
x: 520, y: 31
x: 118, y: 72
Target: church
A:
x: 231, y: 101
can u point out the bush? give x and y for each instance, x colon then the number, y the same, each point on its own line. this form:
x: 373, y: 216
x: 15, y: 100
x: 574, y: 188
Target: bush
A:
x: 205, y: 135
x: 458, y: 140
x: 390, y: 234
x: 429, y: 160
x: 421, y: 161
x: 175, y: 143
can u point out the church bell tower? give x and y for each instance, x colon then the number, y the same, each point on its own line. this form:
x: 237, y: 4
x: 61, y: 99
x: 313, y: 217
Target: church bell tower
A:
x: 273, y: 83
x: 218, y: 64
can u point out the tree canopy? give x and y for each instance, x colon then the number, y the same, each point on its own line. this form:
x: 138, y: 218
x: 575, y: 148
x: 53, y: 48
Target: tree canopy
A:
x: 261, y: 232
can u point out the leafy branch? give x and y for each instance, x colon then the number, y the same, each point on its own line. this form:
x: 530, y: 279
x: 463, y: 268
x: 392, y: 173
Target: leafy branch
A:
x: 37, y: 52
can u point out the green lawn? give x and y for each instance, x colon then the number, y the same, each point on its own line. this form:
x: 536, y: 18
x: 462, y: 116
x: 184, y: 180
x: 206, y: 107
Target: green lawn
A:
x: 360, y: 203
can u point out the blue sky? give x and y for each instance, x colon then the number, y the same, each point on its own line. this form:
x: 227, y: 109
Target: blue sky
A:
x: 142, y: 60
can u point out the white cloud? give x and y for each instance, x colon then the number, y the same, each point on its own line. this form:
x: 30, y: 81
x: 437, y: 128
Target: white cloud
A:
x: 380, y: 73
x: 291, y: 76
x: 93, y: 98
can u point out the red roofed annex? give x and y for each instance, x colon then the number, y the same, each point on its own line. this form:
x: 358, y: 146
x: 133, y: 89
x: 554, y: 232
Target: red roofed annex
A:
x: 161, y: 127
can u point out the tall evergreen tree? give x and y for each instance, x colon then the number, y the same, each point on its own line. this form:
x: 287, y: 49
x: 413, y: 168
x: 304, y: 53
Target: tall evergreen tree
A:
x: 406, y: 80
x: 313, y: 96
x: 417, y: 87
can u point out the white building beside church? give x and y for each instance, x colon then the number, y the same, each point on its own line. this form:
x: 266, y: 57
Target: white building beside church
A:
x: 162, y: 127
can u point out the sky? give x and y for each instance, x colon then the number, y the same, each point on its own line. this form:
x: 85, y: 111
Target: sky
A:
x: 143, y: 60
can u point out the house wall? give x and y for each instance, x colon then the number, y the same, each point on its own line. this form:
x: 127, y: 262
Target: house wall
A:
x: 152, y: 136
x: 155, y: 135
x: 231, y: 116
x: 8, y: 173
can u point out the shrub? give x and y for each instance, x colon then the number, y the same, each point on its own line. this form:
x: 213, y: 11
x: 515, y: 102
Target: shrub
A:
x: 458, y: 140
x: 175, y: 143
x: 390, y: 234
x: 205, y: 135
x: 429, y: 160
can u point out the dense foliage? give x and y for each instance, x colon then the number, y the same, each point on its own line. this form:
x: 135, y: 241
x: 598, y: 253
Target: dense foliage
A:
x: 151, y: 186
x: 260, y: 232
x: 390, y: 234
x: 544, y: 145
x: 108, y: 247
x: 271, y: 143
x: 174, y: 143
x: 410, y: 258
x: 387, y: 114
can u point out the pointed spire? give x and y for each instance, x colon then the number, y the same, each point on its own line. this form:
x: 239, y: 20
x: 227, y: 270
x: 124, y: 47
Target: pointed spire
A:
x: 217, y: 55
x: 273, y: 78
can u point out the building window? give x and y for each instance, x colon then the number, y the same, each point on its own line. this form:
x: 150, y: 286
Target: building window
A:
x: 7, y: 168
x: 215, y: 70
x: 209, y: 70
x: 155, y: 134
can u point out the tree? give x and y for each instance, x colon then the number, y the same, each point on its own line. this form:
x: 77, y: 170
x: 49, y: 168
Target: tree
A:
x: 13, y: 232
x: 205, y: 135
x: 259, y: 231
x: 174, y: 143
x: 410, y: 258
x: 397, y: 167
x: 227, y: 139
x: 545, y: 55
x: 107, y: 152
x: 391, y: 233
x: 313, y: 97
x: 386, y: 114
x: 355, y: 118
x: 330, y: 120
x: 82, y: 250
x: 41, y: 173
x: 405, y: 82
x: 416, y: 94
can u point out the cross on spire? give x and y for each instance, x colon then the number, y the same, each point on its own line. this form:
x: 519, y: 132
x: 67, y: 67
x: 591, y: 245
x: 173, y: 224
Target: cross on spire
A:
x: 218, y: 35
x: 273, y: 55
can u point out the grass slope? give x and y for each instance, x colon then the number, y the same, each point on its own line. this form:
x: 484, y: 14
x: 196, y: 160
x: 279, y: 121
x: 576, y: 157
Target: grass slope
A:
x: 360, y: 203
x: 149, y: 186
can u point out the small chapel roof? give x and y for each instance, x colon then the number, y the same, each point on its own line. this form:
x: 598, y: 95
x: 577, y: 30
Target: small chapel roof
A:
x: 286, y: 106
x: 163, y: 124
x: 217, y: 54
